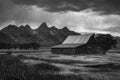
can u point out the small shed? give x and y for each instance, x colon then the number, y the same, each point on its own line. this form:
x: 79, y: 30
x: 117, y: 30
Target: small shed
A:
x: 78, y: 44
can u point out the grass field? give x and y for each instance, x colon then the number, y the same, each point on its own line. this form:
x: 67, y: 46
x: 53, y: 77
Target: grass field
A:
x: 77, y: 67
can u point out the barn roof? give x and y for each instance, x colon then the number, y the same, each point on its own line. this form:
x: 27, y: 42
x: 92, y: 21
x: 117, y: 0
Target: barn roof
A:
x: 78, y: 39
x: 67, y: 45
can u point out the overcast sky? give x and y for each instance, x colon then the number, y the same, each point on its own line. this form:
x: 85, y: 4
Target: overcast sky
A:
x: 79, y: 15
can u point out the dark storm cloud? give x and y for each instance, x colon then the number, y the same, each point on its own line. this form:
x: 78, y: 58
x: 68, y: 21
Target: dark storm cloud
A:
x: 34, y: 12
x: 114, y: 29
x: 11, y: 13
x: 6, y: 10
x: 50, y: 5
x: 108, y: 6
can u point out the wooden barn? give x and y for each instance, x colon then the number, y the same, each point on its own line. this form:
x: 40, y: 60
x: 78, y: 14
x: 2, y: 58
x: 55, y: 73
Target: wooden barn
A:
x: 78, y: 44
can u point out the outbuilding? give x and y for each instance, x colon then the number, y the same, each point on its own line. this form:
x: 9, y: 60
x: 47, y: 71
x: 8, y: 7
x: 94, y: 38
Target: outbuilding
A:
x: 78, y: 44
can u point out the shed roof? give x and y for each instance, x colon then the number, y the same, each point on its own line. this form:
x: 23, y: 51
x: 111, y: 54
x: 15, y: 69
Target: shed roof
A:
x: 68, y: 45
x: 78, y: 39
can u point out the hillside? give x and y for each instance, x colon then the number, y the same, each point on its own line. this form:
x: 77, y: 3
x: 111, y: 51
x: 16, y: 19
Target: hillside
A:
x: 44, y: 35
x: 5, y: 38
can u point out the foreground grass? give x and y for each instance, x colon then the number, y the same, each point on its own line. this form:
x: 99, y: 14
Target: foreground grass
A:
x: 44, y: 67
x: 11, y: 68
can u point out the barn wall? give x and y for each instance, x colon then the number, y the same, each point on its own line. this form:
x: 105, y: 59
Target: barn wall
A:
x: 89, y: 49
x: 84, y: 49
x: 100, y: 50
x: 92, y: 49
x: 63, y: 51
x: 81, y: 49
x: 95, y: 49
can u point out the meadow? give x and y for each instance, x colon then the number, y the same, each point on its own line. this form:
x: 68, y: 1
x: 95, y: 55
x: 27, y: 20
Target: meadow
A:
x: 43, y: 65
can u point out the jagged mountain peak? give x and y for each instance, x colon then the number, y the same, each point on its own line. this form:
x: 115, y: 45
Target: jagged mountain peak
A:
x: 10, y: 27
x: 65, y: 29
x: 43, y: 26
x: 43, y: 35
x: 43, y: 29
x: 53, y: 28
x: 27, y: 26
x: 44, y: 23
x: 21, y: 27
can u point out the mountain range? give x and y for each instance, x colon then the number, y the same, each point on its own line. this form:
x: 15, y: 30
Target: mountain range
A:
x: 42, y: 35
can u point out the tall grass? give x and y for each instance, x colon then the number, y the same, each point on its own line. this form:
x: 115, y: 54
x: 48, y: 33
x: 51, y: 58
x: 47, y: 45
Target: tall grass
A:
x: 45, y: 67
x: 11, y: 68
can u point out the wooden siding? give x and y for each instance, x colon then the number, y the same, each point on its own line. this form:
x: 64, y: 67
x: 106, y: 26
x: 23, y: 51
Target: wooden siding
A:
x: 63, y: 51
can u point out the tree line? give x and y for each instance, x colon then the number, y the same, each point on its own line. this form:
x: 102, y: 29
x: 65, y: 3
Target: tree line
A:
x: 32, y: 45
x: 106, y: 41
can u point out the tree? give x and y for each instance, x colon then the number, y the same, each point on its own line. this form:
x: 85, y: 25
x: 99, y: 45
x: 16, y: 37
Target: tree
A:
x: 106, y: 41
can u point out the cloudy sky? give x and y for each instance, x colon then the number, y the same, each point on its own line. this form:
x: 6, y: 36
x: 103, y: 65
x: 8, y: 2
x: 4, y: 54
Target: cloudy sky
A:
x: 101, y: 16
